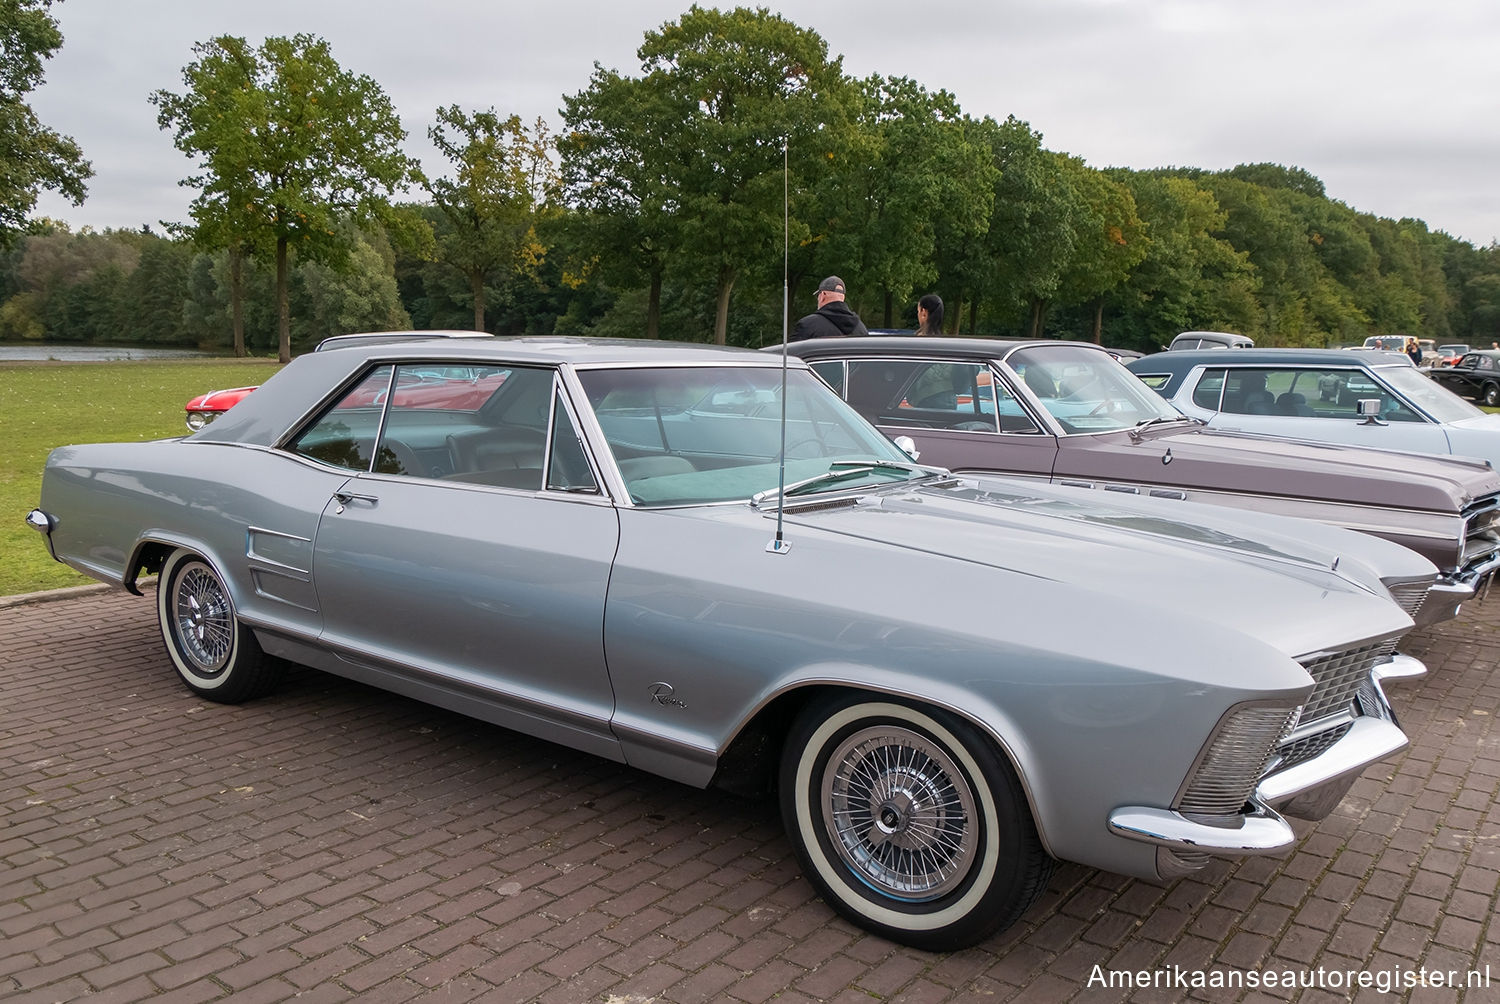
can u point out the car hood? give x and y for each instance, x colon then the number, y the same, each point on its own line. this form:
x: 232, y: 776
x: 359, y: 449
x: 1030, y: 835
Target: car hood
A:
x: 1485, y: 423
x: 1258, y: 582
x: 1261, y: 465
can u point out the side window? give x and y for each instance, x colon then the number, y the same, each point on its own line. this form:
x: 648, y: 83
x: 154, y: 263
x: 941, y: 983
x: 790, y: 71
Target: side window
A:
x: 1210, y: 390
x: 875, y: 387
x: 1252, y: 392
x: 568, y: 466
x: 431, y: 403
x: 504, y: 441
x: 832, y: 373
x: 344, y: 435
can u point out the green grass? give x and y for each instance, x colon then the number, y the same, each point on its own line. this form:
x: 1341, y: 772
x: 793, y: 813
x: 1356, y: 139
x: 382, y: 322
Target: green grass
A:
x: 43, y: 405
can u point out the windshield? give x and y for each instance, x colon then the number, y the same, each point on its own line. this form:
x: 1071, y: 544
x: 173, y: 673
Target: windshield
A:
x: 1086, y: 390
x: 1440, y: 403
x: 699, y: 434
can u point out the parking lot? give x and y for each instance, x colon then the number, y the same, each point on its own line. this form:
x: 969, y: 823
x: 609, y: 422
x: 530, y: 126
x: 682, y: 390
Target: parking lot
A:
x: 334, y: 841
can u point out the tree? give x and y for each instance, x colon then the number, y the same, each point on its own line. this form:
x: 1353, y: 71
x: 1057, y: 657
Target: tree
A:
x: 912, y: 173
x: 504, y: 182
x: 33, y: 158
x: 291, y: 144
x: 1190, y: 279
x: 724, y: 101
x: 615, y: 174
x: 1109, y: 241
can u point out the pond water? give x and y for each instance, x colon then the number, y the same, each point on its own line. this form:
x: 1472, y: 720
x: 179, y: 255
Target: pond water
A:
x: 41, y: 352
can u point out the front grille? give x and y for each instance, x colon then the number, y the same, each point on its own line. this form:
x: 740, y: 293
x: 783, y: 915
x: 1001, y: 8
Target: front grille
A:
x: 1235, y: 758
x: 1481, y: 530
x: 1309, y: 747
x: 1250, y: 736
x: 1339, y: 675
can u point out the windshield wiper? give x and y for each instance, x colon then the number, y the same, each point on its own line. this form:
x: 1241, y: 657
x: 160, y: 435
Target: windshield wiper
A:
x: 1146, y: 423
x: 839, y: 470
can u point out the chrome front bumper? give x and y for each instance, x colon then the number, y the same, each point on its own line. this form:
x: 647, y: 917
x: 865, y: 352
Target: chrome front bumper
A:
x: 1450, y: 590
x: 1308, y: 790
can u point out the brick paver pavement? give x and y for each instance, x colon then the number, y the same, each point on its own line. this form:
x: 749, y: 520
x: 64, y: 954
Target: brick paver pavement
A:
x: 334, y: 841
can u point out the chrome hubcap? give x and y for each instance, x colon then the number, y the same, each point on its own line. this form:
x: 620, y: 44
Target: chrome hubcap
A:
x: 205, y: 620
x: 900, y: 812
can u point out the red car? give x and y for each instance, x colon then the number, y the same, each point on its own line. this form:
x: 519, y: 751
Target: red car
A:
x: 206, y: 407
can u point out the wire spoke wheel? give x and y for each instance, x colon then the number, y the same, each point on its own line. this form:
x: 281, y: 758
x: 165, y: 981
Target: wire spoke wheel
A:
x: 214, y: 655
x: 205, y: 620
x: 902, y: 813
x: 908, y: 821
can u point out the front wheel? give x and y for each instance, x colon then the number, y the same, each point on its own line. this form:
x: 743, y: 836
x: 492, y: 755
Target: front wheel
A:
x: 214, y: 654
x: 909, y: 822
x: 1491, y: 395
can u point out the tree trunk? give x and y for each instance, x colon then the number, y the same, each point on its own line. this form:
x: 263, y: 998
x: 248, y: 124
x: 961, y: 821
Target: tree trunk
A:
x: 1038, y: 318
x: 653, y: 306
x: 721, y: 315
x: 237, y: 297
x: 476, y: 289
x: 889, y: 300
x: 283, y: 307
x: 1098, y: 332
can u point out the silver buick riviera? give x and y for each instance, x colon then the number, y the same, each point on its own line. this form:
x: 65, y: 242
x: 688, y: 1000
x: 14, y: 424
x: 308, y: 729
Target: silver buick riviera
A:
x: 692, y: 561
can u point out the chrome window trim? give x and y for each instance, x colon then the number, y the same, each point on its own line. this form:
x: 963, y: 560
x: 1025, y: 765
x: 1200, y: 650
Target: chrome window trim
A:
x: 997, y: 370
x: 1196, y: 374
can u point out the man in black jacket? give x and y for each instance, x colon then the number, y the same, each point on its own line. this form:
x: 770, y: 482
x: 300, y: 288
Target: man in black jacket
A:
x: 833, y: 316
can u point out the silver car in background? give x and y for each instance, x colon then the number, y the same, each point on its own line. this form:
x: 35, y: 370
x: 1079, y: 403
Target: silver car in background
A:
x: 1315, y: 394
x: 703, y: 563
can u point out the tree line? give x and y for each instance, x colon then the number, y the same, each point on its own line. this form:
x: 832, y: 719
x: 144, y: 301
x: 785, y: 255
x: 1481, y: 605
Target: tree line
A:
x: 678, y: 201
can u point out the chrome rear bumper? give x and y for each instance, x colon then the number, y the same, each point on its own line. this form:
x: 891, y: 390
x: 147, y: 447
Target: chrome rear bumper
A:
x: 42, y: 523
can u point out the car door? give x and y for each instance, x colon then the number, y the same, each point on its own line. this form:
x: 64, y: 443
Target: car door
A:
x: 961, y: 413
x: 483, y: 588
x: 1309, y: 402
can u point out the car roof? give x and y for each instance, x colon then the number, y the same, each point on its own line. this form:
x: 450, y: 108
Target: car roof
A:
x: 1184, y: 359
x: 912, y: 345
x: 280, y: 403
x: 579, y: 350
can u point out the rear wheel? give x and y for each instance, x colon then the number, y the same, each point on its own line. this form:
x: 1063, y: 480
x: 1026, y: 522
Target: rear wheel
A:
x: 909, y: 822
x: 1492, y: 395
x: 214, y: 654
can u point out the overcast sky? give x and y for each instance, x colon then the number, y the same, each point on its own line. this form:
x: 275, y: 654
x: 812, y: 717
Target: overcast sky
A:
x: 1393, y: 104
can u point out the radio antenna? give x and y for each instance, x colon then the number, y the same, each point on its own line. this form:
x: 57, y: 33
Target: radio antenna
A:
x: 780, y: 545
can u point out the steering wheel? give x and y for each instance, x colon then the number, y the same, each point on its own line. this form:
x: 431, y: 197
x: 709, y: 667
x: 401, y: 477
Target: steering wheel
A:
x: 1105, y: 407
x: 806, y: 441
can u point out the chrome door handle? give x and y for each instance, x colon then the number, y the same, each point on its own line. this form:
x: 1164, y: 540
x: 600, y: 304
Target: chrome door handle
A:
x: 344, y: 498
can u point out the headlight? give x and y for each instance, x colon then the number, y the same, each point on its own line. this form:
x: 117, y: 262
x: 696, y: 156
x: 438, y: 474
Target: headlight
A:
x: 198, y: 419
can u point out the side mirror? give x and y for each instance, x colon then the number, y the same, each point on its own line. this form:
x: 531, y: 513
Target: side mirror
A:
x: 1368, y: 408
x: 908, y: 446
